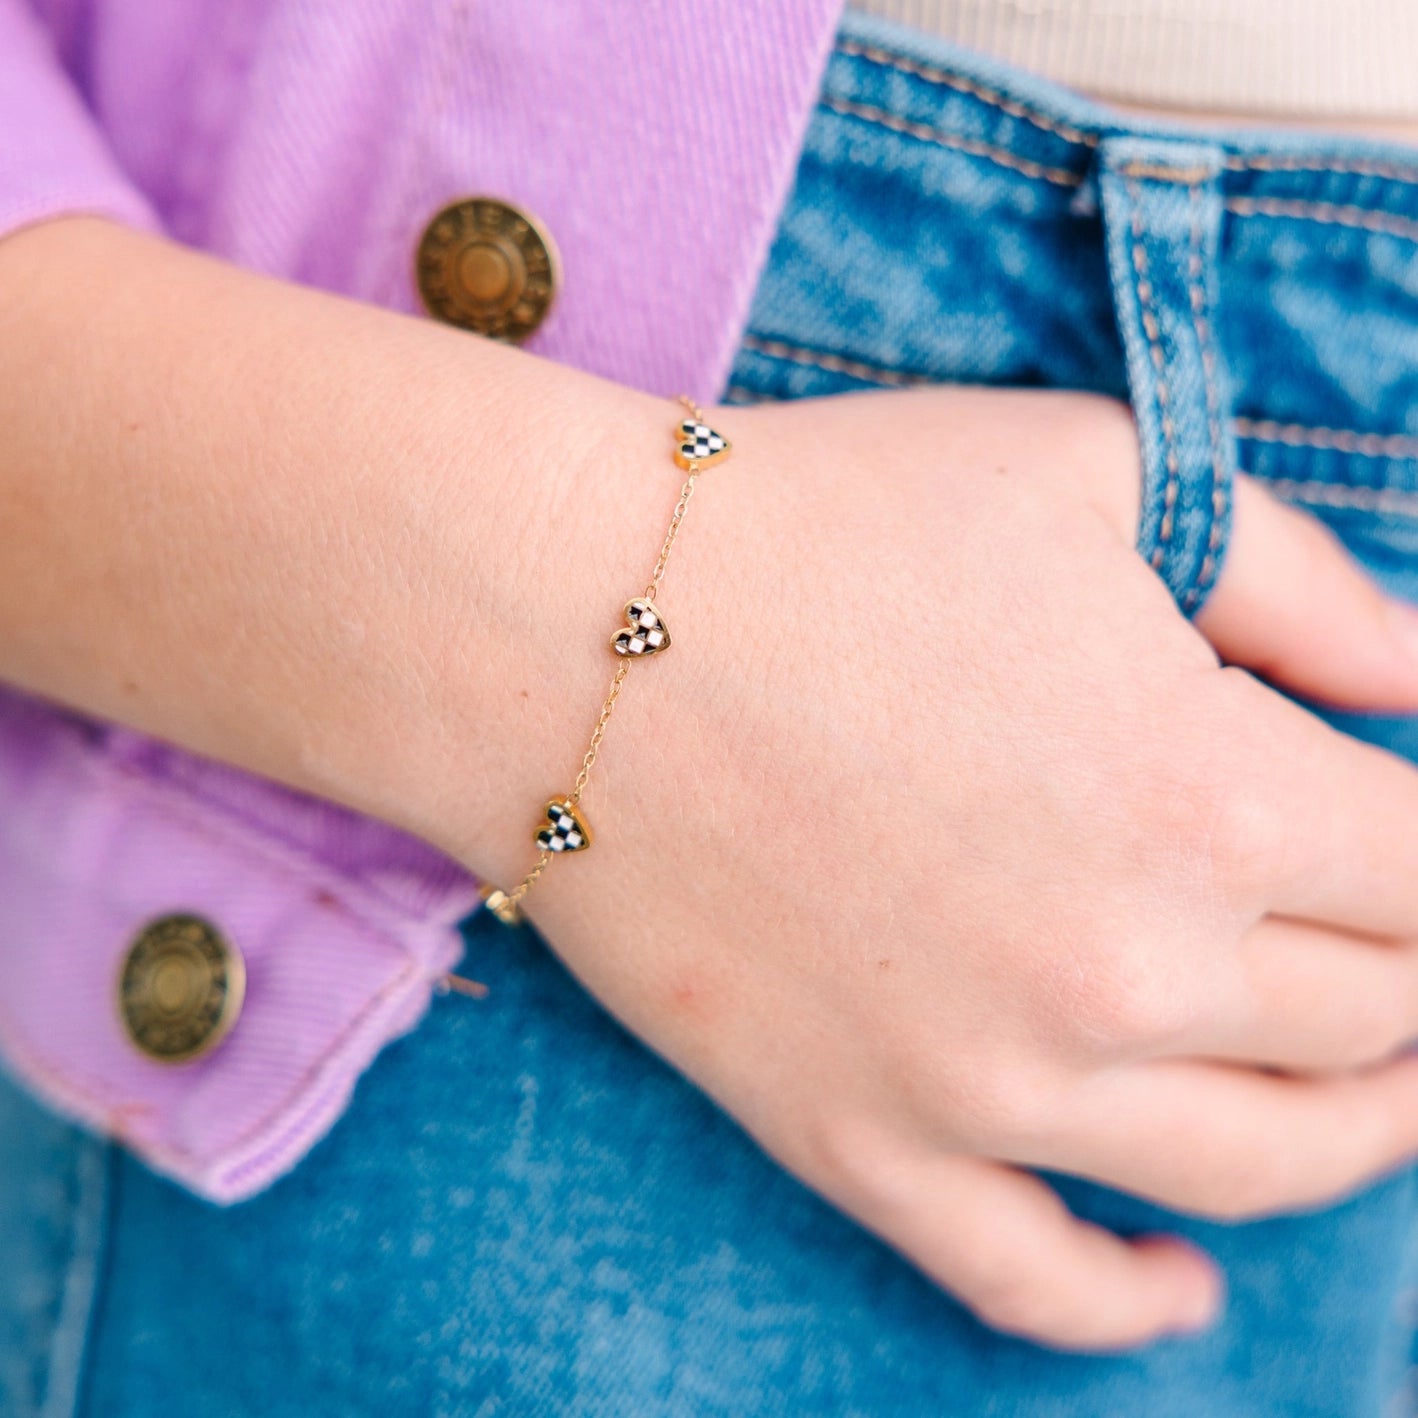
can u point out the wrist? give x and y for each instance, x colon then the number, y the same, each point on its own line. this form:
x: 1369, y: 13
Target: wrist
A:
x: 313, y: 539
x: 533, y: 554
x: 667, y: 732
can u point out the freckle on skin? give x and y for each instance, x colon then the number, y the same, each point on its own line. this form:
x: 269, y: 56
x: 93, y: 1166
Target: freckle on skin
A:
x: 687, y: 1001
x: 130, y: 686
x: 883, y: 964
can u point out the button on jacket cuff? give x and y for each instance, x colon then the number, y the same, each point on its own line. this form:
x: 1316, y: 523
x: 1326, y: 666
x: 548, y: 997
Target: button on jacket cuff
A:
x: 345, y: 926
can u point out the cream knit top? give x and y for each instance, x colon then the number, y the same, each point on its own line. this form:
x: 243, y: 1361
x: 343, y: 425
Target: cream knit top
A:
x: 1298, y: 58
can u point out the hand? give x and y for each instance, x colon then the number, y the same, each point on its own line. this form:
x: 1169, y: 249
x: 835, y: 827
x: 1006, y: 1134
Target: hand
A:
x: 969, y: 858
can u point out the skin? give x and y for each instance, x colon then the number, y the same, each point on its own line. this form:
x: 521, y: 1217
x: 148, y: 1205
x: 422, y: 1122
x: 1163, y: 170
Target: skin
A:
x: 970, y: 856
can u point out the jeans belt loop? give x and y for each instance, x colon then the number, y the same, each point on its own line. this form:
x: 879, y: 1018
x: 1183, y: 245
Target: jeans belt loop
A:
x: 1162, y: 209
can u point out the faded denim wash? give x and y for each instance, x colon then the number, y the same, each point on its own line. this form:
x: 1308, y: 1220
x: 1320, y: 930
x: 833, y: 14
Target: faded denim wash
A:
x: 560, y: 1224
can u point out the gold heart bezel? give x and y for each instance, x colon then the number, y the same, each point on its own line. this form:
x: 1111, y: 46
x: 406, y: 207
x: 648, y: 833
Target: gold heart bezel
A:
x: 548, y: 822
x: 631, y: 628
x: 683, y: 431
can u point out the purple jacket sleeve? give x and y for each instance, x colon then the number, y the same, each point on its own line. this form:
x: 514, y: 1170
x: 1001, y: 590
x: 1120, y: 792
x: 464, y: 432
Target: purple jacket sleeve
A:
x: 314, y: 142
x: 345, y: 924
x: 53, y: 160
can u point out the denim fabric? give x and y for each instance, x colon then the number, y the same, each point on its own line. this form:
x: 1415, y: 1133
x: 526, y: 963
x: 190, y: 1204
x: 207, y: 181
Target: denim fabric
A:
x: 1162, y: 208
x: 560, y: 1224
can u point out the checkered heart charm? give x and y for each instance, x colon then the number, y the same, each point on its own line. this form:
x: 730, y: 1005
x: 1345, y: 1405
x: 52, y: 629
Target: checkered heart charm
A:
x: 699, y: 446
x: 647, y: 634
x: 566, y: 829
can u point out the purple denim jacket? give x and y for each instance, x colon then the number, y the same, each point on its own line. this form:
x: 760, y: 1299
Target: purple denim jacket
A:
x: 313, y: 139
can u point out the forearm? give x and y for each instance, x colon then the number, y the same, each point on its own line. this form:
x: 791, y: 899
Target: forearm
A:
x: 342, y: 548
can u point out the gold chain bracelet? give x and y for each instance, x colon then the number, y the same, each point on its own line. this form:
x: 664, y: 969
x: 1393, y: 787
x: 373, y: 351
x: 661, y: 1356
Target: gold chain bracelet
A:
x: 564, y: 828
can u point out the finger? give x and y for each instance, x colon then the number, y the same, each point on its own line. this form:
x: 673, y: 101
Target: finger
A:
x: 1291, y: 604
x: 1332, y: 819
x: 1005, y: 1244
x: 1231, y: 1142
x: 1309, y: 999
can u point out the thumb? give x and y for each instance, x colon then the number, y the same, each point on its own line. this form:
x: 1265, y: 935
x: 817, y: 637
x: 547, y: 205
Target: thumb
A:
x: 1292, y: 605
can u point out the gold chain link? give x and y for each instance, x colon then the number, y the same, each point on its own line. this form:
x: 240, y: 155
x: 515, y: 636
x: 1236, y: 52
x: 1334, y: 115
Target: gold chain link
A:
x: 528, y: 881
x: 685, y: 493
x: 507, y: 905
x: 599, y: 732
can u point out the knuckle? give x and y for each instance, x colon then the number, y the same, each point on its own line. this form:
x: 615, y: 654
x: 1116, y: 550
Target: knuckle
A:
x: 843, y: 1155
x: 1247, y: 828
x: 1134, y: 1007
x: 1204, y: 808
x: 997, y: 1106
x: 1228, y: 822
x: 1251, y: 835
x: 976, y: 1093
x: 984, y: 1102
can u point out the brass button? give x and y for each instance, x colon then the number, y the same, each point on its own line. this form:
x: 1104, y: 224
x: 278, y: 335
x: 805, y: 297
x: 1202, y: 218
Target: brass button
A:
x: 181, y: 988
x: 489, y: 267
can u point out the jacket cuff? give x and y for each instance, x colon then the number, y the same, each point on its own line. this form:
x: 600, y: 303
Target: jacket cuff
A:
x: 53, y: 159
x: 345, y: 926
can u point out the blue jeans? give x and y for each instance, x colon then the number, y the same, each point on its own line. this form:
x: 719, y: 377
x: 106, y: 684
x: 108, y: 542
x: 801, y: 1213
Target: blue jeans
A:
x: 525, y: 1212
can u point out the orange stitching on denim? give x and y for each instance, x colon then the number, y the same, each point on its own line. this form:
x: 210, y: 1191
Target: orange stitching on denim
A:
x: 837, y: 364
x: 1061, y: 177
x: 1164, y: 394
x: 1341, y: 440
x: 1164, y: 172
x: 1362, y: 167
x: 960, y: 84
x: 1238, y: 162
x: 742, y: 394
x: 1201, y: 321
x: 1360, y: 499
x: 1335, y: 214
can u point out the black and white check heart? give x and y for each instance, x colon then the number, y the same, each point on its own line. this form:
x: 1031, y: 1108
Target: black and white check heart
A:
x: 647, y: 634
x: 699, y: 444
x: 566, y: 829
